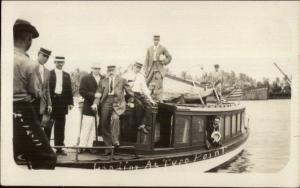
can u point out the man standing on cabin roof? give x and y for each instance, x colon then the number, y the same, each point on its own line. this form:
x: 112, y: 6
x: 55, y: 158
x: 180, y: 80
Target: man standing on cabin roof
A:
x: 142, y: 98
x: 43, y: 103
x: 112, y: 98
x: 217, y: 83
x: 157, y: 58
x: 62, y: 102
x: 29, y: 140
x: 87, y: 89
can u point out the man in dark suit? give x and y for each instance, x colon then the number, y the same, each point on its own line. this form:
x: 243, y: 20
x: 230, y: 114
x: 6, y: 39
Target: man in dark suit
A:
x: 87, y: 90
x: 43, y: 103
x: 157, y: 58
x: 62, y: 101
x: 113, y: 104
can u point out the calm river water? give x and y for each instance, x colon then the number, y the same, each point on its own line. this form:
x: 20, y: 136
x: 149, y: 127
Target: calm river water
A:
x: 267, y: 149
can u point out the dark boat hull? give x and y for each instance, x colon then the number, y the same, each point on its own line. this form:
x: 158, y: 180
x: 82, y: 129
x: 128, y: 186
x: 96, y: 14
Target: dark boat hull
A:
x: 165, y: 160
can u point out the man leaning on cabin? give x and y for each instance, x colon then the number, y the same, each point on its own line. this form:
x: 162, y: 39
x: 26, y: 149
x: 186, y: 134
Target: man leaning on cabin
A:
x: 43, y: 102
x: 157, y: 58
x: 87, y: 89
x: 30, y: 143
x: 62, y: 102
x: 112, y: 98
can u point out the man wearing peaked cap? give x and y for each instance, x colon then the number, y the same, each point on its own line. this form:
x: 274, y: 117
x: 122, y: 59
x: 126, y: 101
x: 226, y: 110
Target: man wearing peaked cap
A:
x: 87, y: 90
x: 62, y: 101
x: 29, y: 140
x: 43, y: 103
x: 111, y: 91
x: 157, y: 58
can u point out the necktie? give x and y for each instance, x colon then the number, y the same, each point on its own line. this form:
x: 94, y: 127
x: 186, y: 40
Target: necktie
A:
x: 111, y: 85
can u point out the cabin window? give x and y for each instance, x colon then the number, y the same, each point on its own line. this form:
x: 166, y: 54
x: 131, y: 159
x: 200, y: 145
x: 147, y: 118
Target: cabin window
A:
x: 239, y: 122
x: 227, y: 126
x: 182, y: 129
x: 233, y: 130
x: 198, y: 128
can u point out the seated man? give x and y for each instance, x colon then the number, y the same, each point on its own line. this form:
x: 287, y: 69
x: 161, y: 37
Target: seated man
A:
x: 213, y: 136
x: 142, y: 98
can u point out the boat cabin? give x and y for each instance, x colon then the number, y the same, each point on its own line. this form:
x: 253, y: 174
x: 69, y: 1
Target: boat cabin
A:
x: 181, y: 127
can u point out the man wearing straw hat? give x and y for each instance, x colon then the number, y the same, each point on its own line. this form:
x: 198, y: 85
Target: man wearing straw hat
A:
x: 87, y: 89
x: 113, y: 104
x: 43, y: 102
x: 62, y: 102
x: 29, y: 140
x: 157, y: 58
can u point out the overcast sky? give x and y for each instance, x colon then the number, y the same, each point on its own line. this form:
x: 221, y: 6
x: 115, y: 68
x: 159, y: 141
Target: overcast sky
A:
x: 240, y: 36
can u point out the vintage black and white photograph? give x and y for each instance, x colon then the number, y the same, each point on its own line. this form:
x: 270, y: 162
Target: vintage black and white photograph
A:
x: 130, y: 93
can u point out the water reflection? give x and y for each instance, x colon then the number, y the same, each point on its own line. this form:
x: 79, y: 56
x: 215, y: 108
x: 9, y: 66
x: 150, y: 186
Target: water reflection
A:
x: 267, y: 149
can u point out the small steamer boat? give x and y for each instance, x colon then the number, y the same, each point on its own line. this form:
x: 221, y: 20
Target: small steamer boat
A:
x: 177, y: 137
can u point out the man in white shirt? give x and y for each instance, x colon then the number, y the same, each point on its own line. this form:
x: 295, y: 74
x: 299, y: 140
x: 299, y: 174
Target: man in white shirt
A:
x: 142, y: 98
x: 43, y: 102
x: 62, y: 101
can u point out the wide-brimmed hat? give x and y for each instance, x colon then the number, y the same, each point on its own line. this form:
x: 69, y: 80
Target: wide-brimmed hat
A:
x: 216, y: 136
x: 23, y: 25
x: 45, y: 51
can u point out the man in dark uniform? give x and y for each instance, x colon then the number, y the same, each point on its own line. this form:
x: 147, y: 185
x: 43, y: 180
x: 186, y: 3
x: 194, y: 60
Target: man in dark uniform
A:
x: 29, y: 140
x: 62, y: 101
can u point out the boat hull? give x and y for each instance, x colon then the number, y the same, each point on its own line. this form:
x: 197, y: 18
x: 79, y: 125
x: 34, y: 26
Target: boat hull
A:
x: 204, y: 160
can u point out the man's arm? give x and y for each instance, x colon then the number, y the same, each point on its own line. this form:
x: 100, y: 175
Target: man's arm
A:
x: 168, y: 56
x: 99, y: 90
x: 128, y: 90
x: 84, y: 91
x: 69, y: 90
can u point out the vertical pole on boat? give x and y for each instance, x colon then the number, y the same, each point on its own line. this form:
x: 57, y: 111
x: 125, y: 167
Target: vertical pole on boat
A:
x: 96, y: 129
x: 78, y: 138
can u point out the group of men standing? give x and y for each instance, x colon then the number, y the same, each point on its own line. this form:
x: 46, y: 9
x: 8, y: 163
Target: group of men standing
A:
x: 42, y: 98
x: 110, y: 95
x: 38, y: 96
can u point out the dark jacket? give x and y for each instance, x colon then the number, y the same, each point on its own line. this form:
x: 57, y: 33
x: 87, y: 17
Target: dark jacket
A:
x: 60, y: 105
x: 87, y: 89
